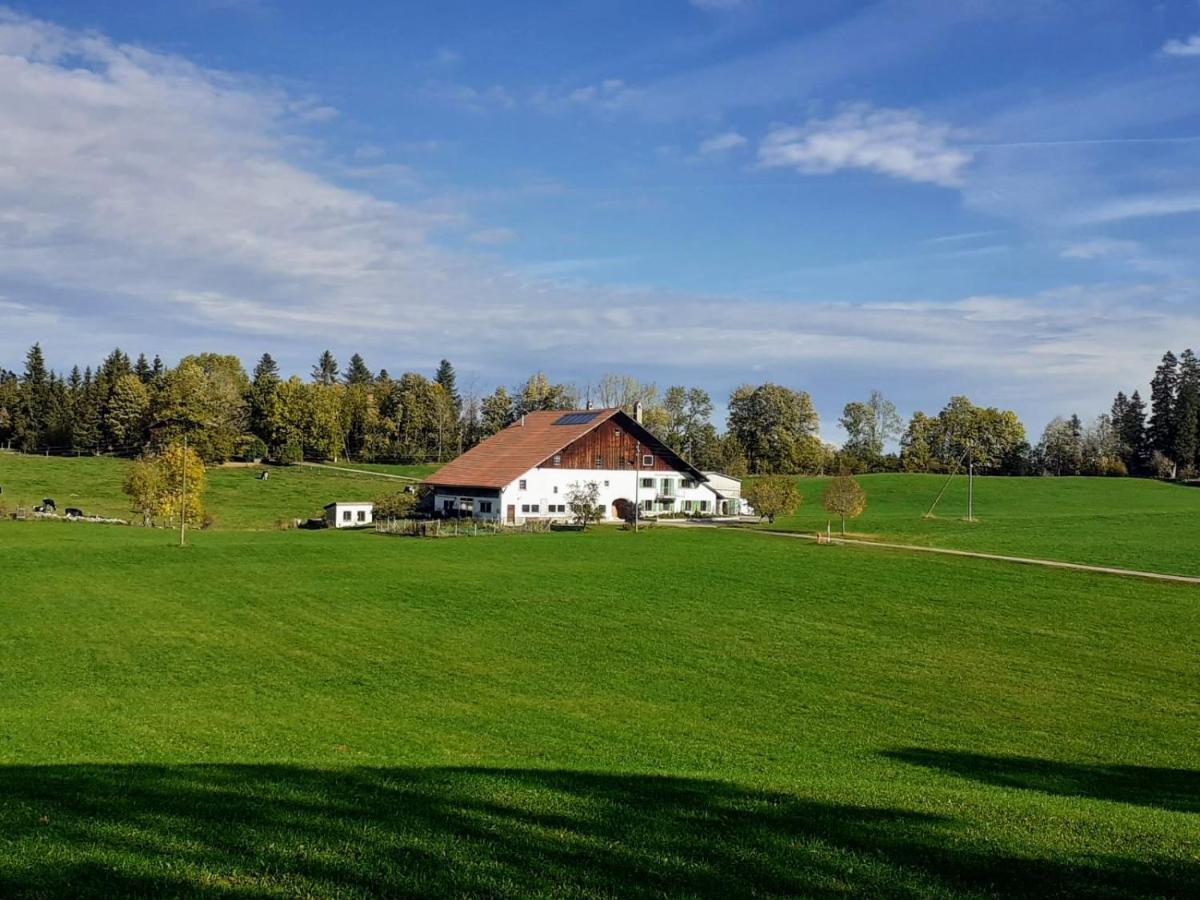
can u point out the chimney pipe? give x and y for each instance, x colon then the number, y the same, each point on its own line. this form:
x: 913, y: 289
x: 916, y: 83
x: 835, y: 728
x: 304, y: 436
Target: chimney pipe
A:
x: 637, y: 411
x: 522, y: 420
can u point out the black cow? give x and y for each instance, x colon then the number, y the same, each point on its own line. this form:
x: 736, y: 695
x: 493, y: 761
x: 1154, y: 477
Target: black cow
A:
x: 73, y: 513
x: 48, y: 504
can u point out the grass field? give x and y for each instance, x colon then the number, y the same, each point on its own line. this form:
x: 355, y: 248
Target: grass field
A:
x: 1134, y: 523
x: 701, y: 712
x: 235, y: 496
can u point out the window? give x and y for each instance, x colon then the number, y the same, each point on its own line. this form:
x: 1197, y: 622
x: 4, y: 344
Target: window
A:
x: 648, y: 482
x: 447, y: 506
x: 703, y: 506
x: 362, y: 515
x: 687, y: 505
x: 648, y: 505
x: 524, y: 507
x: 345, y: 515
x: 521, y: 485
x: 599, y: 461
x: 647, y: 461
x: 606, y: 484
x: 533, y: 507
x: 667, y: 487
x: 558, y: 459
x: 688, y: 483
x: 556, y: 489
x: 485, y: 506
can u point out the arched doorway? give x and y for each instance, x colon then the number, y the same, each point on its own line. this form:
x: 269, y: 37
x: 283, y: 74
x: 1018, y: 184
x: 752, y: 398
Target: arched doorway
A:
x: 623, y: 509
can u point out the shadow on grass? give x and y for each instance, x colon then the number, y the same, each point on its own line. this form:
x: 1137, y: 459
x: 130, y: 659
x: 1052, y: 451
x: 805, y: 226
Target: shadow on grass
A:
x: 1172, y: 789
x: 224, y: 830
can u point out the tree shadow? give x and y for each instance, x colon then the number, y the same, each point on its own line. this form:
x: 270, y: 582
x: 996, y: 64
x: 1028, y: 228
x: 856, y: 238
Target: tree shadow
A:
x: 249, y: 831
x: 1171, y: 789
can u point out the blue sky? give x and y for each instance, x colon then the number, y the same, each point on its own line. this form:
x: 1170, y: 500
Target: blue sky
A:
x: 994, y: 197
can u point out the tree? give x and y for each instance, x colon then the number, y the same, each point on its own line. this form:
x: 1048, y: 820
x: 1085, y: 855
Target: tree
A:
x: 125, y: 413
x: 989, y: 437
x: 142, y: 369
x: 168, y: 485
x: 1187, y: 415
x: 688, y: 430
x: 264, y: 395
x: 583, y: 502
x: 1060, y: 451
x: 773, y: 495
x: 449, y: 381
x: 205, y: 395
x: 1129, y: 421
x: 33, y: 414
x: 869, y: 426
x: 1164, y: 388
x: 844, y: 497
x: 397, y: 505
x: 326, y: 369
x: 776, y: 428
x: 539, y: 394
x: 358, y: 373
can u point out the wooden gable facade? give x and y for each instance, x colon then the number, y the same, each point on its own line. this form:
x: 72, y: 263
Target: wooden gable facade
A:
x: 613, y: 445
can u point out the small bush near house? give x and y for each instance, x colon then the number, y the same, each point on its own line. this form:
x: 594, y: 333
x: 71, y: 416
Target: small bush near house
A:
x: 394, y: 506
x: 289, y: 454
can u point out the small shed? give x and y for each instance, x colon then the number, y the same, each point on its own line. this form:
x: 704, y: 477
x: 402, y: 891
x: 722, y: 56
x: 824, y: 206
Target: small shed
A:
x: 348, y: 514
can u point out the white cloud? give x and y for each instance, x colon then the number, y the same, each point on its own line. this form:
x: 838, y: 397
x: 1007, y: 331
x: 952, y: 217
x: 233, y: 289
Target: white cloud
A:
x: 895, y: 142
x: 1095, y: 248
x: 148, y: 199
x: 721, y: 143
x: 1186, y: 47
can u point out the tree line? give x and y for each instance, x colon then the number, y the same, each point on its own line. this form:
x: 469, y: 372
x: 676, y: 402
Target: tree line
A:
x: 127, y: 406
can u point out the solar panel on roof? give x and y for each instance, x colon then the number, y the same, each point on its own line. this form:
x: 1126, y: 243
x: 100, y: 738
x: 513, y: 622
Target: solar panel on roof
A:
x: 575, y: 418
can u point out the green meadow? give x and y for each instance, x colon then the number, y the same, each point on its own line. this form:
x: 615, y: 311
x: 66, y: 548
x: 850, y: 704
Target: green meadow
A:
x: 680, y: 712
x: 235, y: 495
x: 1127, y: 522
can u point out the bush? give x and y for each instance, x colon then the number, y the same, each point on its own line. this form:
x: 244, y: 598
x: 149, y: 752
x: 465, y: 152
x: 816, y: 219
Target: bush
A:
x: 1161, y: 466
x: 252, y: 448
x: 289, y: 454
x: 394, y: 506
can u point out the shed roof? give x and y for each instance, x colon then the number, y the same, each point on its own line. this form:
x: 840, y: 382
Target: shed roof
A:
x: 349, y: 503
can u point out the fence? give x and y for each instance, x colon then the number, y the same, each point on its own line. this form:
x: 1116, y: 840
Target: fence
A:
x: 457, y: 527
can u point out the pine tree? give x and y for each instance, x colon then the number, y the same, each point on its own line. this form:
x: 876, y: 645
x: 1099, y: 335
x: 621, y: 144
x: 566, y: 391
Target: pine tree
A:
x: 326, y: 369
x: 449, y: 381
x: 1187, y: 413
x: 358, y: 373
x: 1131, y: 433
x: 1164, y: 391
x: 142, y: 369
x: 158, y: 372
x: 86, y: 432
x: 35, y: 400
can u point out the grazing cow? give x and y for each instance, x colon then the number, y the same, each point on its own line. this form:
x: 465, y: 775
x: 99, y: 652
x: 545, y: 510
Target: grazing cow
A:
x: 73, y: 513
x: 49, y: 504
x: 263, y: 476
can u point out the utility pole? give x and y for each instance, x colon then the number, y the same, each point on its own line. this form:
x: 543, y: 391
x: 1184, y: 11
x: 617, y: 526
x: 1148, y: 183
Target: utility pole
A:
x: 637, y: 487
x: 183, y: 495
x: 971, y: 489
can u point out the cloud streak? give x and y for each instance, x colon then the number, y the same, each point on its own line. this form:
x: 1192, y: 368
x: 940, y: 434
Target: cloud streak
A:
x: 894, y: 142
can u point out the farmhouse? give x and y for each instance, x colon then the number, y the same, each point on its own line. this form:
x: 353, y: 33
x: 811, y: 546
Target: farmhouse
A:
x: 352, y: 514
x: 526, y: 470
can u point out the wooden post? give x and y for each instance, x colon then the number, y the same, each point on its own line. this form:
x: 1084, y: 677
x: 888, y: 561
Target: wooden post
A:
x: 183, y: 496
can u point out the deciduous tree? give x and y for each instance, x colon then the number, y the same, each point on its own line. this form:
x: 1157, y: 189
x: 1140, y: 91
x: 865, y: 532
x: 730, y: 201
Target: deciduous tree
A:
x: 844, y: 497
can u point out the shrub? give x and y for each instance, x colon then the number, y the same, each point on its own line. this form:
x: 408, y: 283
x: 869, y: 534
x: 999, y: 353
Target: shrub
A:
x: 394, y: 506
x: 252, y: 448
x: 1161, y: 466
x: 289, y: 454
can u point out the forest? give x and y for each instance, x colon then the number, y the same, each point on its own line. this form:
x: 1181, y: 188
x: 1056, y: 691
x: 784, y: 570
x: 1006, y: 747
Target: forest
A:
x: 126, y: 406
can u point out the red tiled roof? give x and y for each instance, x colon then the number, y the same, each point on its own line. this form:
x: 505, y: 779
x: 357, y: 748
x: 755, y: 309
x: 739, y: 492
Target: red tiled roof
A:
x: 506, y: 456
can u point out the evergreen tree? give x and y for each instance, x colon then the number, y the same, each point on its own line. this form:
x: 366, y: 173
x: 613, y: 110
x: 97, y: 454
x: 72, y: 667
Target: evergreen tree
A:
x: 449, y: 381
x: 358, y: 373
x: 35, y: 400
x: 1187, y: 414
x: 326, y: 369
x: 496, y: 412
x: 85, y: 435
x: 158, y: 372
x: 142, y: 369
x: 1164, y: 391
x: 1129, y: 422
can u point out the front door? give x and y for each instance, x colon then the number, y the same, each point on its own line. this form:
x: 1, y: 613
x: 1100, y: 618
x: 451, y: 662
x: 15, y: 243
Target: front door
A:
x: 512, y: 514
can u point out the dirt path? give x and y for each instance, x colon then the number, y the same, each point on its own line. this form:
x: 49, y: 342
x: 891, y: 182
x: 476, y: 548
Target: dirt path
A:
x: 1023, y: 560
x: 362, y: 472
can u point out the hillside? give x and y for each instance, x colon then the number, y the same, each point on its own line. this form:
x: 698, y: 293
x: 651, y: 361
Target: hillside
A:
x: 1129, y: 522
x: 235, y: 496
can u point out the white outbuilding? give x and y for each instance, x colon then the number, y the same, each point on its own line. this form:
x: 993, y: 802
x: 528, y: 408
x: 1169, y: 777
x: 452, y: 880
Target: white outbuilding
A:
x: 348, y: 514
